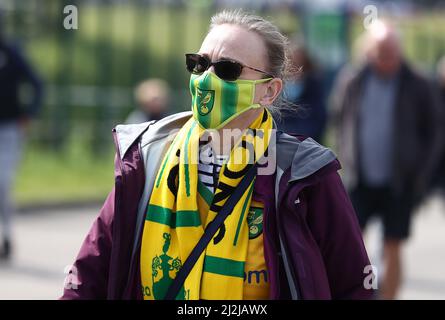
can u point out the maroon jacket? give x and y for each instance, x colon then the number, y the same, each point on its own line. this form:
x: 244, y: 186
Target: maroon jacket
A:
x: 321, y: 242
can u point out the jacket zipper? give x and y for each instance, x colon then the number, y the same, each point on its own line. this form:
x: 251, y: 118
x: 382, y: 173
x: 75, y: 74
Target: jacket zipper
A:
x: 271, y: 244
x: 285, y: 246
x: 117, y: 197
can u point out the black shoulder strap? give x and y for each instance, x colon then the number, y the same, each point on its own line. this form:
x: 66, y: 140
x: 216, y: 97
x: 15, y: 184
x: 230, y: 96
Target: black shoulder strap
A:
x: 210, y: 231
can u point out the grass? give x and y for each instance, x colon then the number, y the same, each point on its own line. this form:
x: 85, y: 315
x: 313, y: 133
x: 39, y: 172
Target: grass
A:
x: 48, y: 177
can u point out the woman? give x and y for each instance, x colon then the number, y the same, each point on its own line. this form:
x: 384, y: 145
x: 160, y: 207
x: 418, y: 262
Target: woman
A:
x: 291, y: 233
x: 306, y: 90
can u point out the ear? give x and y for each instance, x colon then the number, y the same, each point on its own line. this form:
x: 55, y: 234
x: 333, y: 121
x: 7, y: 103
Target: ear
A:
x: 272, y: 90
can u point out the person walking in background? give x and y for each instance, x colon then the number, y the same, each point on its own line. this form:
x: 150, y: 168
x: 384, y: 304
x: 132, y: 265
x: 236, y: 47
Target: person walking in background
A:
x: 152, y: 100
x: 14, y: 118
x: 440, y: 173
x: 388, y: 143
x: 306, y: 96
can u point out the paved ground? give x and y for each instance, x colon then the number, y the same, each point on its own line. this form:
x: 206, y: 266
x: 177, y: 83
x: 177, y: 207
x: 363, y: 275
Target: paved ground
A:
x: 424, y: 253
x: 46, y: 242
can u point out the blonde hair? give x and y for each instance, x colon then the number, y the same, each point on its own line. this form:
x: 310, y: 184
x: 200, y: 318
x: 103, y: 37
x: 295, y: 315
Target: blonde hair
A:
x: 277, y: 45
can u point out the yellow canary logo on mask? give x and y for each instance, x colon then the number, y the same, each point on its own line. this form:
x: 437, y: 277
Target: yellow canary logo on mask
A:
x: 205, y: 100
x: 215, y: 102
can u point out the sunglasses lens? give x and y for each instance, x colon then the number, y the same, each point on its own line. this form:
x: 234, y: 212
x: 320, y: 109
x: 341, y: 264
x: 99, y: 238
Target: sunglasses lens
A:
x: 228, y: 70
x: 195, y: 63
x: 225, y: 69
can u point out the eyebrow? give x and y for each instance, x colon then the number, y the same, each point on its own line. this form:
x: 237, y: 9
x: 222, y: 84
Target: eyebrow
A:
x: 222, y: 58
x: 232, y: 59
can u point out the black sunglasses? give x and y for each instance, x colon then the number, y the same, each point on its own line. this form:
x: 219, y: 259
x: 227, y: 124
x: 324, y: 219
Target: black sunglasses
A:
x: 228, y: 70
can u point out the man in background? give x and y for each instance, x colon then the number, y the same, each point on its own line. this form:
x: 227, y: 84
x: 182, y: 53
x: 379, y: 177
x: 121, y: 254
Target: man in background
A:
x: 388, y: 143
x: 152, y: 100
x: 17, y: 107
x: 440, y: 173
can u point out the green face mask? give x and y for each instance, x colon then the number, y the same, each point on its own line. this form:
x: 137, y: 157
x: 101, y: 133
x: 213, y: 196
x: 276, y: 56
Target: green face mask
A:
x: 216, y: 102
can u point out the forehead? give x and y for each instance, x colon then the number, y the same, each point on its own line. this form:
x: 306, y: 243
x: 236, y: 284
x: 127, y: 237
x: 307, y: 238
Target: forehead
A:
x: 388, y: 46
x: 235, y: 42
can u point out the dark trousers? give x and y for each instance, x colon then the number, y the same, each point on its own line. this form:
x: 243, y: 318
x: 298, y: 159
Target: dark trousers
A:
x: 395, y: 210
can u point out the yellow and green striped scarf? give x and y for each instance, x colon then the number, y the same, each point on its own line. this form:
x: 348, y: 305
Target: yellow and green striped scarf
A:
x: 173, y: 223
